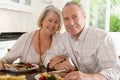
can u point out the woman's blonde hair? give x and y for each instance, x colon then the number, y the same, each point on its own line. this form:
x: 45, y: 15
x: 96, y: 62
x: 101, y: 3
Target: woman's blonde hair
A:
x: 45, y: 13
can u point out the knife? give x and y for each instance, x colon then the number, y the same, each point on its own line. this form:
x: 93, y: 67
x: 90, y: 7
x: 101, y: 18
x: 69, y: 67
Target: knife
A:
x: 10, y: 67
x: 58, y: 71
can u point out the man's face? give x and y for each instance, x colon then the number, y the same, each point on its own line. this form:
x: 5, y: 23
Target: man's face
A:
x: 74, y: 19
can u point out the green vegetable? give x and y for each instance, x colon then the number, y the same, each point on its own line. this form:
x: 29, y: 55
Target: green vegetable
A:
x: 51, y: 77
x: 28, y: 67
x: 20, y: 63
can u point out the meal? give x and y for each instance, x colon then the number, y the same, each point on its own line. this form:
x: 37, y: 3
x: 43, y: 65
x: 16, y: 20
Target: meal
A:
x: 20, y: 66
x: 22, y: 77
x: 46, y: 76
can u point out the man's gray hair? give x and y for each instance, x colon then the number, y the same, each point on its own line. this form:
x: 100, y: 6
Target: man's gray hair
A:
x: 74, y: 3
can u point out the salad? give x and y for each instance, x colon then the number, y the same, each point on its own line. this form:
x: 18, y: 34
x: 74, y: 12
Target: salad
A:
x: 46, y: 76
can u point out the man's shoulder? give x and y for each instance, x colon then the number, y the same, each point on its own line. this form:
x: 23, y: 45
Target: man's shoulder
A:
x: 94, y: 29
x: 61, y: 36
x: 64, y: 35
x: 97, y: 31
x: 56, y: 35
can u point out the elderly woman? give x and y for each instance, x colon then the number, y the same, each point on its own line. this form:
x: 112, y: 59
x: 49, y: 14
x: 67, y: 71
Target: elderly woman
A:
x: 30, y: 47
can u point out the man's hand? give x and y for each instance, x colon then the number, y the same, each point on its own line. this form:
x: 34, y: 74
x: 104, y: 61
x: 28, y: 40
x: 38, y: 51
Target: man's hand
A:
x: 77, y: 75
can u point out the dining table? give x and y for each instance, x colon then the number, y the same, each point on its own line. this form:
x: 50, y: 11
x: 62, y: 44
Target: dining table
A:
x: 29, y: 75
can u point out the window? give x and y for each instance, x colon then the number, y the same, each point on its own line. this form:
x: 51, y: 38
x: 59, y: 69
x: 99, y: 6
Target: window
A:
x: 115, y: 16
x: 17, y: 5
x: 17, y: 1
x: 105, y: 14
x: 28, y: 2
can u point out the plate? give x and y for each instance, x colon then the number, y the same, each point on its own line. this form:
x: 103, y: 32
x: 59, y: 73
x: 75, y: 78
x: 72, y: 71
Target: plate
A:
x: 37, y: 76
x: 25, y: 70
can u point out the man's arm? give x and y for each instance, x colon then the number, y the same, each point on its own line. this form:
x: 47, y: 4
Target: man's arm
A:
x: 108, y: 60
x: 57, y: 49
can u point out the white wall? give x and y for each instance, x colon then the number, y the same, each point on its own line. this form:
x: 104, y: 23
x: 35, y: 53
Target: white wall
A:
x: 116, y: 40
x: 18, y: 21
x: 11, y: 20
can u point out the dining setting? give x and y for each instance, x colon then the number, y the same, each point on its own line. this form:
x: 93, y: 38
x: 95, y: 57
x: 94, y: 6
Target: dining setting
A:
x: 17, y: 71
x: 60, y: 45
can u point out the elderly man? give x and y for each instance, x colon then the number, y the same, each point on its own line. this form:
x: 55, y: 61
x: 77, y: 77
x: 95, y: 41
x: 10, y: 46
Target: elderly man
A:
x: 90, y: 49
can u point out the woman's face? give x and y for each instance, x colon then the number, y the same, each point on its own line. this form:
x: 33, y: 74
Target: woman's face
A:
x: 51, y: 23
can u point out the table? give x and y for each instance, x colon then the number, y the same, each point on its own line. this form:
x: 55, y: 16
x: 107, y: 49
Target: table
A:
x: 29, y: 75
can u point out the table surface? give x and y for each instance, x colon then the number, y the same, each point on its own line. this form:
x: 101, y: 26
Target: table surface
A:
x: 29, y: 75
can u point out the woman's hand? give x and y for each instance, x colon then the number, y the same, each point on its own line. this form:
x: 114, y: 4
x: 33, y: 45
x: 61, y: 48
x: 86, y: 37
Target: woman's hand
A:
x: 56, y: 60
x: 2, y: 65
x: 65, y: 66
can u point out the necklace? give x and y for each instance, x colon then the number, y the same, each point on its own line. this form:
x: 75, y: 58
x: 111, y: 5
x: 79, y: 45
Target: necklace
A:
x: 39, y: 45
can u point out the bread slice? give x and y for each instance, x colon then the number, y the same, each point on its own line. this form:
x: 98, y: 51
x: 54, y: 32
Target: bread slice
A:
x: 21, y: 77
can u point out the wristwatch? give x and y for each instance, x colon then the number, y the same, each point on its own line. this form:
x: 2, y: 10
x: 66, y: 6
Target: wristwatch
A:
x: 48, y: 1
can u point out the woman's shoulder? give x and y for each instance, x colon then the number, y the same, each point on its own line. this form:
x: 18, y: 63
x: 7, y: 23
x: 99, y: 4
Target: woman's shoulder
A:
x: 27, y: 34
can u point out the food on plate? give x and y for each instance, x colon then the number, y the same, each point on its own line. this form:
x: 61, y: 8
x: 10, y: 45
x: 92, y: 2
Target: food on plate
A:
x: 22, y: 77
x: 21, y: 66
x: 46, y: 76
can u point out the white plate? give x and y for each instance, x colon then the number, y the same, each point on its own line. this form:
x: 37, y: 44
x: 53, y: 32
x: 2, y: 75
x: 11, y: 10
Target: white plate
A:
x: 30, y: 69
x: 37, y: 76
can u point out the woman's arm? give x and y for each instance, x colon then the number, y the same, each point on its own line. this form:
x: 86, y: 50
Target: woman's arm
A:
x: 1, y: 65
x: 16, y: 50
